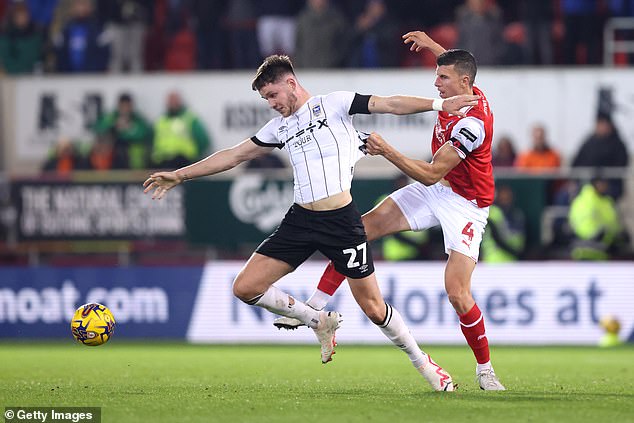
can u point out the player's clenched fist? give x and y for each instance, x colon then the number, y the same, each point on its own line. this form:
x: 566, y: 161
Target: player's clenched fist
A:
x: 376, y: 145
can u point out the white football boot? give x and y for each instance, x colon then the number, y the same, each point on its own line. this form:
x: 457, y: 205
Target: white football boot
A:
x: 288, y: 323
x: 329, y: 322
x: 489, y: 381
x: 437, y: 377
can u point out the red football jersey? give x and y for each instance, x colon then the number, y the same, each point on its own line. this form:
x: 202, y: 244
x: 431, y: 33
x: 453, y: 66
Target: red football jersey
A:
x: 471, y: 136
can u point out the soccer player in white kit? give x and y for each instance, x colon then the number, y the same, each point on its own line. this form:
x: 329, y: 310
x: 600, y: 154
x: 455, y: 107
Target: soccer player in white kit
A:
x: 323, y: 147
x: 453, y: 191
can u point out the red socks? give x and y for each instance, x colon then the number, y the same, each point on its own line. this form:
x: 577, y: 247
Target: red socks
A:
x: 472, y: 326
x: 471, y: 323
x: 330, y: 280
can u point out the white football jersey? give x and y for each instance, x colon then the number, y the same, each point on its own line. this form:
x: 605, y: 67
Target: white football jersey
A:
x: 321, y: 142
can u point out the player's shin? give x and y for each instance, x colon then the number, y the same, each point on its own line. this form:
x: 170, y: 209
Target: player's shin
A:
x: 318, y: 300
x: 395, y: 329
x: 328, y: 284
x: 472, y: 326
x: 279, y: 302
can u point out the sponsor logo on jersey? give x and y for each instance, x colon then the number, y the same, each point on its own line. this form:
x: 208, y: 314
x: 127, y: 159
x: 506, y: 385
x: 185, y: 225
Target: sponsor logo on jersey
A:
x: 303, y: 134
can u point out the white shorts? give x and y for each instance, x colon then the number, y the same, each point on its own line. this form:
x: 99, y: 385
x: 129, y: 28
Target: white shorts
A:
x: 461, y: 220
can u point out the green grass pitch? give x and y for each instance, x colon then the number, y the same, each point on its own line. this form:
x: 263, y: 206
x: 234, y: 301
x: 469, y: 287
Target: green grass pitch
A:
x: 171, y: 382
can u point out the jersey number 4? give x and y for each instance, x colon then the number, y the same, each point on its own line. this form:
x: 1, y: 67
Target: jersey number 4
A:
x: 352, y: 252
x: 468, y: 231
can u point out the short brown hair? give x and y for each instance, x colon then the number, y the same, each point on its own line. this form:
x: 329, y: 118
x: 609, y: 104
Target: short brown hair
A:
x: 271, y: 70
x: 463, y: 61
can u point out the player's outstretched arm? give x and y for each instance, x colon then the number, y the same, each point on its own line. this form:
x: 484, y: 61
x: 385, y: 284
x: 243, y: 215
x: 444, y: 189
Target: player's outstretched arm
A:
x: 445, y: 159
x: 406, y: 104
x: 420, y: 41
x: 222, y: 160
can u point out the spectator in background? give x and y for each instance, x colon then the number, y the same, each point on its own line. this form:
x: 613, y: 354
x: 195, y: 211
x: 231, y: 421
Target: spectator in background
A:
x: 104, y: 155
x: 131, y: 133
x: 604, y: 148
x: 126, y: 21
x: 373, y: 41
x: 428, y: 13
x: 179, y: 136
x: 21, y: 42
x: 61, y: 16
x: 541, y: 157
x: 211, y: 37
x: 83, y: 45
x: 595, y: 223
x: 276, y: 26
x: 480, y: 29
x: 504, y: 153
x: 537, y: 17
x: 180, y: 47
x: 504, y: 238
x: 64, y: 157
x: 240, y: 21
x: 170, y: 43
x: 42, y: 12
x: 621, y: 8
x: 582, y: 32
x: 321, y: 33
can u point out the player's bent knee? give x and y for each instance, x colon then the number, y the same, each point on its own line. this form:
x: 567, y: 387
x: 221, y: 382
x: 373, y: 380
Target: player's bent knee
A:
x: 243, y: 291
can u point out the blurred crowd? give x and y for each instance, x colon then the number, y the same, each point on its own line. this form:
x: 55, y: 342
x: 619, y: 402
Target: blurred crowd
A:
x: 120, y: 36
x: 124, y: 139
x: 69, y: 36
x: 586, y: 220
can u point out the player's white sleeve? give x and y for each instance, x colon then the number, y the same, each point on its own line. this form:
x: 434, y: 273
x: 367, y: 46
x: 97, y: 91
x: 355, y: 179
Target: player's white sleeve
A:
x: 340, y: 101
x: 267, y: 135
x: 467, y: 135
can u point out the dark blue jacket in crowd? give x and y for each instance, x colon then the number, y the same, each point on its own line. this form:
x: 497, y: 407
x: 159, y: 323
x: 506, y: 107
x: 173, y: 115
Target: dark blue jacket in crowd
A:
x: 83, y: 48
x: 42, y: 11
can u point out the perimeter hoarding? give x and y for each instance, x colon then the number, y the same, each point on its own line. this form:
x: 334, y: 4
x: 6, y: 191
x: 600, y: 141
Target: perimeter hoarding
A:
x: 528, y: 304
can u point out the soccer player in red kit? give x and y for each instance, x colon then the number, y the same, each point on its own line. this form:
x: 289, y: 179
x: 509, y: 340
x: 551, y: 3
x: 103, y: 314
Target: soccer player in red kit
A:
x: 454, y: 191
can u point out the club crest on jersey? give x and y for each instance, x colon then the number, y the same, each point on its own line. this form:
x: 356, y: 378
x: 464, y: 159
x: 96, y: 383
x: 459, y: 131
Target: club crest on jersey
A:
x: 317, y: 110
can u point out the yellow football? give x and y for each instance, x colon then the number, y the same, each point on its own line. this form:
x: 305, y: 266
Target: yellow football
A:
x: 92, y: 324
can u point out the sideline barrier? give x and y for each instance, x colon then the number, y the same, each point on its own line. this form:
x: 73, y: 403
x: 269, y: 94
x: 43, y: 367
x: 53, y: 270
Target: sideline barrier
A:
x: 534, y: 303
